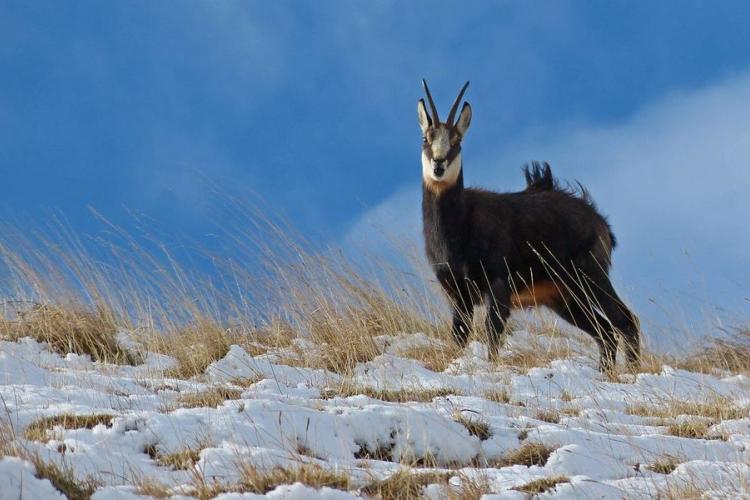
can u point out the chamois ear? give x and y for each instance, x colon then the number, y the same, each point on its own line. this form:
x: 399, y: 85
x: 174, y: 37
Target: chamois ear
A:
x: 464, y: 119
x: 424, y: 119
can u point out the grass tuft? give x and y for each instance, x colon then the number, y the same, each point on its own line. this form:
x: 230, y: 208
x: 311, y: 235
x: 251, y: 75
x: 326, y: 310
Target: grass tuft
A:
x: 196, y: 345
x: 549, y: 416
x: 498, y: 396
x: 208, y: 399
x: 39, y: 430
x: 64, y: 480
x: 183, y: 459
x: 692, y: 430
x: 253, y: 480
x: 246, y: 382
x: 384, y: 452
x: 404, y: 484
x: 62, y: 477
x: 542, y: 485
x: 664, y: 465
x: 719, y: 409
x: 475, y: 425
x: 71, y: 329
x: 528, y: 454
x: 435, y: 357
x: 395, y: 396
x: 153, y: 488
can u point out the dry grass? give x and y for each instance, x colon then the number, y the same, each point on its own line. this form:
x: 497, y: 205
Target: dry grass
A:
x: 664, y: 465
x: 470, y: 489
x: 91, y: 331
x: 396, y: 396
x: 718, y: 409
x: 208, y: 399
x: 498, y: 396
x: 731, y: 353
x: 688, y: 491
x: 346, y: 337
x: 436, y: 357
x: 275, y: 333
x: 196, y: 345
x: 151, y: 487
x: 690, y: 429
x: 39, y: 430
x: 246, y: 382
x: 342, y: 310
x: 475, y: 425
x: 571, y: 411
x: 528, y: 454
x: 543, y: 485
x: 253, y: 480
x: 654, y: 363
x: 62, y: 478
x: 383, y: 453
x: 405, y: 484
x: 698, y: 428
x: 549, y: 416
x: 534, y: 356
x: 283, y: 289
x: 183, y: 459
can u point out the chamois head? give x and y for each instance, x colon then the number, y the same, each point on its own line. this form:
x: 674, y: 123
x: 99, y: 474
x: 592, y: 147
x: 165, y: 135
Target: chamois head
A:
x: 441, y: 144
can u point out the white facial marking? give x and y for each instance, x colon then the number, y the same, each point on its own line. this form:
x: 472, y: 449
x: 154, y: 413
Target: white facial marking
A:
x: 441, y: 143
x: 451, y: 171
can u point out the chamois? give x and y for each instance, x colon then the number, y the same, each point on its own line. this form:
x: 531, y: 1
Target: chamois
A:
x: 546, y: 245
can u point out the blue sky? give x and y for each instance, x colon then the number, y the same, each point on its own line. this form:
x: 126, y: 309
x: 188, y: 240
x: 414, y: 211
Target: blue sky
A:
x: 141, y: 105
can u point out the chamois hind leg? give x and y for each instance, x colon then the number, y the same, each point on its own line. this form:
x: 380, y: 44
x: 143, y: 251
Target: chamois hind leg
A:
x: 498, y: 310
x: 622, y: 320
x: 584, y: 317
x: 597, y: 309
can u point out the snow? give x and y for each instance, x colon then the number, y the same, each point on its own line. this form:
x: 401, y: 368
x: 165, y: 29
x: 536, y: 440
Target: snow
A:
x: 283, y: 420
x: 17, y: 480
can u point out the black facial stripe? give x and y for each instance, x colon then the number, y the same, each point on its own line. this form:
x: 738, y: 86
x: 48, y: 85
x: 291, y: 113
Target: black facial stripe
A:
x: 453, y: 152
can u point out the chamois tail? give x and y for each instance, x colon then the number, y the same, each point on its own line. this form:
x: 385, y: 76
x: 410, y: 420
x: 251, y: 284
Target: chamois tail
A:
x: 539, y: 177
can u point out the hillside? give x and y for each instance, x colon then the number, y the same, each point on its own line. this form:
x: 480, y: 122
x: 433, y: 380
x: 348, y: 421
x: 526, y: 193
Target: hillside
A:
x: 402, y: 422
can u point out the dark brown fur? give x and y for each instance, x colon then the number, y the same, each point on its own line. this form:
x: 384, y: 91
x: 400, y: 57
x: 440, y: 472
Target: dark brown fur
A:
x: 547, y: 245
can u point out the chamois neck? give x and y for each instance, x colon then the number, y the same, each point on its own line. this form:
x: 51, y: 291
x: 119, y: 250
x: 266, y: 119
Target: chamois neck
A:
x: 443, y: 217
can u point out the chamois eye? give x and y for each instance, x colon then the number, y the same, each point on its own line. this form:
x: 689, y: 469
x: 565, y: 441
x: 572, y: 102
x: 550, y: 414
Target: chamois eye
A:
x: 424, y: 140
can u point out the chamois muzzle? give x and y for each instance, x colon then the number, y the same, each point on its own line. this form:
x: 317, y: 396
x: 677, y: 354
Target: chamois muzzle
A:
x: 438, y: 168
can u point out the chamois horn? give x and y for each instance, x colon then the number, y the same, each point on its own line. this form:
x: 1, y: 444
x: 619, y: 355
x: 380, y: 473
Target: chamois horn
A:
x: 435, y: 117
x: 452, y: 114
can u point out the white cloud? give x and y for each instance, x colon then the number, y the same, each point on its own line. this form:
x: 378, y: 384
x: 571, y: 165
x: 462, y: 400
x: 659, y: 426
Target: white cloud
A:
x: 673, y: 179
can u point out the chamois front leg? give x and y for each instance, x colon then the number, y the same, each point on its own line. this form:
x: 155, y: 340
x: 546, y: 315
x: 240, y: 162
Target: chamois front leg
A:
x: 462, y: 315
x: 498, y: 311
x: 463, y: 307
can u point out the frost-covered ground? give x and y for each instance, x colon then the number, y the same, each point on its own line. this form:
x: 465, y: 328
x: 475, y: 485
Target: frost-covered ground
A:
x: 286, y: 416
